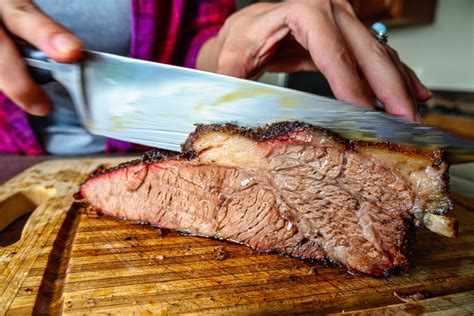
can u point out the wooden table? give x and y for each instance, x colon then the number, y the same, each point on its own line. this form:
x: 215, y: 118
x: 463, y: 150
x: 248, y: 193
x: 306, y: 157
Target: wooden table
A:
x: 11, y: 165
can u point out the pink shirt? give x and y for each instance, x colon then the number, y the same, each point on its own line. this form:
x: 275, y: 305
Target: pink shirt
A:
x: 169, y: 32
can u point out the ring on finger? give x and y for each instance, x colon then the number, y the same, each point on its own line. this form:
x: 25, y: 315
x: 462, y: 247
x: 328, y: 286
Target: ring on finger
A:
x: 380, y: 31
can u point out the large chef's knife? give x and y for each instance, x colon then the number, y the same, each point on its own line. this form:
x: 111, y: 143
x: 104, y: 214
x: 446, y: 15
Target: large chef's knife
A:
x: 157, y: 105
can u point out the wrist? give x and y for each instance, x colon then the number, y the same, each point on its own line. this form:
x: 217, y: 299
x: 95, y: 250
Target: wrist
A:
x: 207, y: 58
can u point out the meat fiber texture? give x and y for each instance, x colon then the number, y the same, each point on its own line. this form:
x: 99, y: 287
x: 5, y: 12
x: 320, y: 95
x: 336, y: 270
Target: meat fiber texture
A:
x: 289, y: 187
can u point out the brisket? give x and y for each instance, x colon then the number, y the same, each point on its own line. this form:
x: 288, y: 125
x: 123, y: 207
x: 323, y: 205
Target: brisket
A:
x: 290, y: 188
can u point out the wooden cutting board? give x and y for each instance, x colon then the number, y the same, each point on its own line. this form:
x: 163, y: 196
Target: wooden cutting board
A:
x: 65, y: 261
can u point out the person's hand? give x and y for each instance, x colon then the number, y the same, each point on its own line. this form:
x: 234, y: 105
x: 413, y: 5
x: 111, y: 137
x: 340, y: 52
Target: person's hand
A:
x: 23, y: 19
x: 315, y: 35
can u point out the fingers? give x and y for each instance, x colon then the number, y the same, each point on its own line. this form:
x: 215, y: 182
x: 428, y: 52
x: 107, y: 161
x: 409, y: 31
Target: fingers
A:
x: 338, y: 45
x: 249, y: 39
x: 314, y: 27
x: 401, y: 69
x: 15, y: 81
x: 420, y: 92
x: 25, y: 20
x: 385, y: 79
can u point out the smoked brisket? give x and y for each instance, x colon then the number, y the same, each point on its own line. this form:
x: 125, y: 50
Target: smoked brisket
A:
x: 289, y: 187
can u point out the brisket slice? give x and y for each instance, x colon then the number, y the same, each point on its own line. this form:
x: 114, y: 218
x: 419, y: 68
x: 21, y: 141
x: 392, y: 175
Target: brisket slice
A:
x: 289, y: 187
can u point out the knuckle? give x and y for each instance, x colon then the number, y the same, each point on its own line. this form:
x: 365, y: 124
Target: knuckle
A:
x: 341, y: 58
x: 25, y: 6
x: 16, y: 9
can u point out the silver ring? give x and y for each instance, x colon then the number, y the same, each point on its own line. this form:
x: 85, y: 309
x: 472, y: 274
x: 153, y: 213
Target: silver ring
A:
x: 380, y: 31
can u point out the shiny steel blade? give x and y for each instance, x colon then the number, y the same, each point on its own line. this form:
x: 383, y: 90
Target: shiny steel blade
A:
x: 157, y: 105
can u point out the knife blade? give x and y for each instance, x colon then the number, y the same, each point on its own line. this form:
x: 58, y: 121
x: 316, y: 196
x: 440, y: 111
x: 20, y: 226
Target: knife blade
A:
x: 157, y: 105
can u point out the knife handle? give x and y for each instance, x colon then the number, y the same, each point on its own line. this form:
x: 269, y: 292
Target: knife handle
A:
x: 30, y: 53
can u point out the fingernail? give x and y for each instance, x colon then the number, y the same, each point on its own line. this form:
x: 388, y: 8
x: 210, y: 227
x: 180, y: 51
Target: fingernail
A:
x: 66, y: 43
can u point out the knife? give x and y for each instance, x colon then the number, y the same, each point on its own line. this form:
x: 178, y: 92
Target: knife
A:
x: 157, y: 105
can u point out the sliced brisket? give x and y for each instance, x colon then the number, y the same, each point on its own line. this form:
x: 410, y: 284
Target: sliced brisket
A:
x: 291, y: 188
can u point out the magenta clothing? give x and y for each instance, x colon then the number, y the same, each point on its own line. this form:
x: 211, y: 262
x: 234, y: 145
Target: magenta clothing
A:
x: 169, y: 32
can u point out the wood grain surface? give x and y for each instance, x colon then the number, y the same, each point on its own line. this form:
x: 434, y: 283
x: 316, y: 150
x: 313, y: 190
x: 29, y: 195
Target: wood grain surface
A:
x: 66, y: 261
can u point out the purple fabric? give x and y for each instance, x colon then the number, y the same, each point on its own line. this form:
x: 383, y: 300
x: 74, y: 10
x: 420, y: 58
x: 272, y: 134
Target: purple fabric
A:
x: 16, y: 134
x: 166, y: 31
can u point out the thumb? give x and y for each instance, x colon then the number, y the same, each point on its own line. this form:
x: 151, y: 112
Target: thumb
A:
x: 25, y: 20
